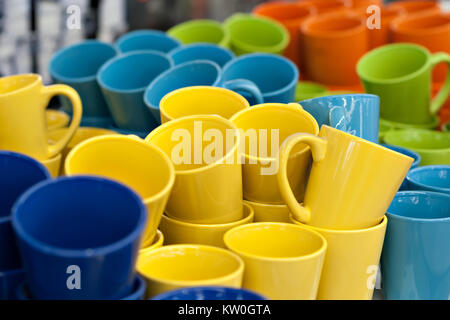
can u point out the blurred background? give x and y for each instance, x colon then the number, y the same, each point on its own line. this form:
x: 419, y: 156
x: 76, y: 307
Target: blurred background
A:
x: 31, y: 30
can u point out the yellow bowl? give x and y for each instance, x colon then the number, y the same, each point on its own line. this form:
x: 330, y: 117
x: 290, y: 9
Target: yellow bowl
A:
x: 179, y: 266
x: 178, y: 232
x: 56, y: 119
x: 265, y: 212
x: 158, y: 242
x: 53, y: 165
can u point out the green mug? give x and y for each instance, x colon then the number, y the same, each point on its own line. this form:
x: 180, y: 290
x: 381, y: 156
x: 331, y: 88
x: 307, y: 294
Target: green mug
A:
x: 400, y: 74
x: 200, y: 30
x: 446, y: 127
x: 433, y: 146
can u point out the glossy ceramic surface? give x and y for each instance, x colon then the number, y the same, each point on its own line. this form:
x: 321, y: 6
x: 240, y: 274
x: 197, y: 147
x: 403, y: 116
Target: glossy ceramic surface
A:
x: 342, y: 164
x: 23, y: 128
x: 201, y: 51
x: 259, y: 167
x: 179, y: 232
x: 430, y: 178
x: 201, y: 266
x: 407, y: 152
x: 123, y: 81
x: 49, y: 244
x: 147, y: 40
x: 209, y: 293
x: 351, y: 262
x: 53, y: 165
x: 126, y: 159
x: 206, y: 189
x: 282, y: 261
x: 265, y: 212
x: 56, y: 119
x: 357, y: 114
x: 200, y: 30
x: 158, y: 242
x: 415, y: 263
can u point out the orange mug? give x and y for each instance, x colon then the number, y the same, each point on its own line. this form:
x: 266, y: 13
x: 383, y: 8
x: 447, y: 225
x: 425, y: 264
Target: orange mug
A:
x: 430, y: 29
x: 291, y: 15
x: 415, y: 6
x: 334, y: 42
x: 323, y: 6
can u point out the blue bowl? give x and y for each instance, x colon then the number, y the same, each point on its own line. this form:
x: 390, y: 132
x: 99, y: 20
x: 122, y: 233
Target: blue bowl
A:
x: 209, y: 293
x: 430, y: 178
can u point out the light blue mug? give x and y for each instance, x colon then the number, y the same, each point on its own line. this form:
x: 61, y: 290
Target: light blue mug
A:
x: 77, y: 66
x: 201, y: 51
x: 275, y: 76
x: 147, y: 40
x: 434, y: 178
x: 415, y: 261
x: 188, y: 74
x: 124, y: 80
x: 357, y: 114
x: 407, y: 152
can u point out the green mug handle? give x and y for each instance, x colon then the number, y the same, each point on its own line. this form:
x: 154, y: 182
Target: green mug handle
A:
x: 444, y: 92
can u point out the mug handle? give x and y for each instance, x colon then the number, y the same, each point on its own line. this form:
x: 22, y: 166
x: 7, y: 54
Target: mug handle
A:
x: 247, y: 86
x: 337, y: 118
x: 444, y: 92
x: 318, y: 149
x: 61, y: 89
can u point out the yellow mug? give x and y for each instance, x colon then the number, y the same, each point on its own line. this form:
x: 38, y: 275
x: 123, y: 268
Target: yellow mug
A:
x: 130, y: 160
x: 282, y: 261
x: 178, y: 232
x: 352, y: 181
x: 158, y: 242
x: 208, y: 184
x: 56, y: 119
x: 266, y: 212
x: 263, y: 128
x: 351, y: 263
x: 23, y: 127
x: 53, y: 165
x: 179, y: 266
x: 201, y: 100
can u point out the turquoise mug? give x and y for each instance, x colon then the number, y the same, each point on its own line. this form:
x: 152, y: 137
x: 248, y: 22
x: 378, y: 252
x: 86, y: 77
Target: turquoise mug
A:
x: 201, y: 51
x: 139, y: 40
x: 435, y: 178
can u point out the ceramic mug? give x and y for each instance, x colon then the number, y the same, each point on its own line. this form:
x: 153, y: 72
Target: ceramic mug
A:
x: 201, y: 100
x: 77, y: 66
x: 406, y: 69
x: 123, y: 81
x: 9, y: 280
x: 53, y: 165
x: 324, y: 6
x: 433, y: 146
x: 75, y: 231
x: 430, y: 178
x: 264, y: 128
x: 291, y: 15
x: 209, y: 293
x: 344, y: 168
x: 416, y: 6
x: 180, y: 266
x: 158, y: 242
x: 407, y: 152
x: 265, y: 212
x: 308, y: 90
x: 415, y: 262
x: 126, y: 159
x: 179, y: 232
x: 250, y: 34
x: 333, y: 44
x: 201, y: 51
x: 23, y: 99
x: 282, y: 261
x: 200, y: 30
x: 56, y: 119
x: 430, y: 29
x: 139, y: 40
x: 276, y: 77
x: 357, y: 114
x: 208, y: 183
x: 351, y: 262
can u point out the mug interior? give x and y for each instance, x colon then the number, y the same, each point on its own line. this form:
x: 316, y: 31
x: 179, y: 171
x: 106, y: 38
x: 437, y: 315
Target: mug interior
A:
x: 420, y: 205
x: 431, y: 176
x: 198, y: 31
x: 79, y: 213
x: 211, y: 52
x: 284, y: 11
x: 257, y: 32
x: 423, y: 22
x: 147, y: 40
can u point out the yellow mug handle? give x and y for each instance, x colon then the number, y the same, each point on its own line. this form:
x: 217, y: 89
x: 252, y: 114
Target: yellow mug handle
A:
x: 61, y: 89
x: 318, y: 149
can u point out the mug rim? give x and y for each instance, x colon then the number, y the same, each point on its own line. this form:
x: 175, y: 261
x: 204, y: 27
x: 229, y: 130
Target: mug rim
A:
x: 420, y: 132
x: 78, y: 253
x: 89, y: 42
x: 382, y: 224
x: 196, y: 247
x: 158, y: 241
x: 417, y: 157
x: 196, y: 290
x: 145, y: 32
x: 211, y: 117
x: 344, y: 12
x: 123, y: 138
x: 195, y: 45
x: 397, y: 24
x: 37, y: 80
x: 314, y: 254
x: 187, y: 24
x: 263, y: 8
x: 97, y: 130
x: 410, y: 177
x: 347, y: 95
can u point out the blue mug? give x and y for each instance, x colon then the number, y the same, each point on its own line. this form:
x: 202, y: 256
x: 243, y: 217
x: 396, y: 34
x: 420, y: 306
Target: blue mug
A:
x: 9, y: 280
x: 188, y: 74
x: 209, y: 293
x: 407, y: 152
x: 415, y: 261
x: 275, y: 76
x: 124, y: 80
x: 201, y: 51
x: 18, y: 173
x: 84, y: 242
x: 77, y: 66
x: 147, y: 40
x: 357, y: 114
x: 434, y: 178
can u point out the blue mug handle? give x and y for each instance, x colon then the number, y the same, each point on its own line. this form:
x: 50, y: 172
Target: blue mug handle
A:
x: 245, y: 86
x: 337, y: 118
